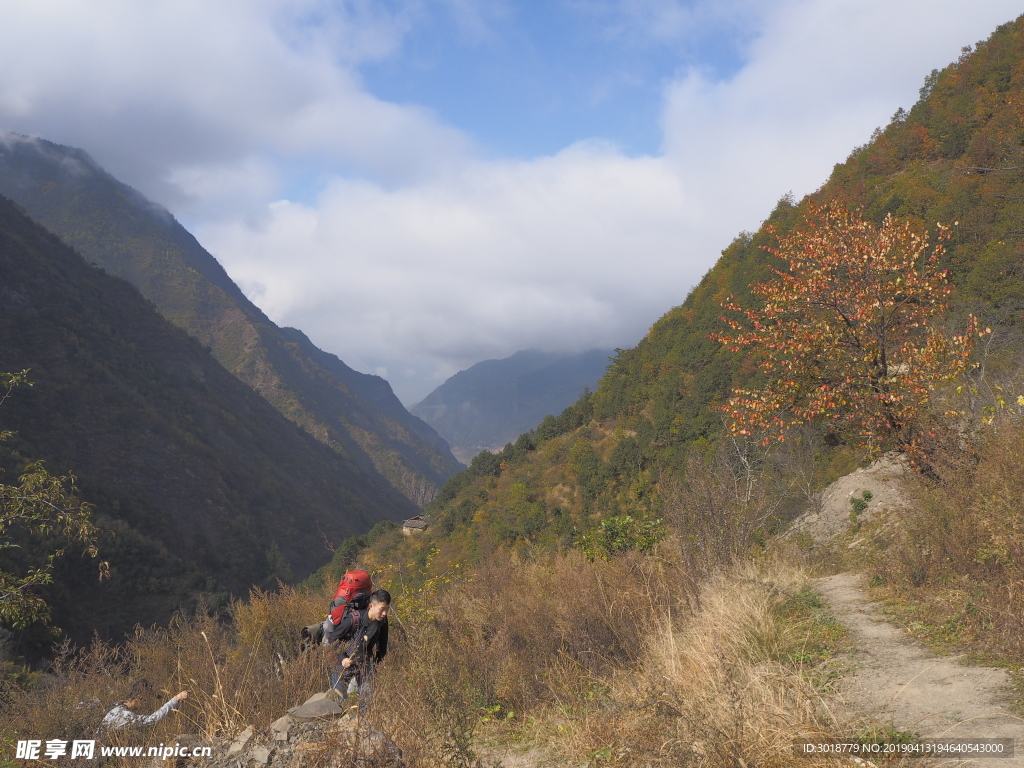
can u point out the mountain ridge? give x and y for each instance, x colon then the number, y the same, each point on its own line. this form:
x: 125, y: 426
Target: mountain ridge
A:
x: 117, y: 228
x: 201, y: 486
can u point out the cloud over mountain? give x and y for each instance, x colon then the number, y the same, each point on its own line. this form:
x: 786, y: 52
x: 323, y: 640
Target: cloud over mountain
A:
x: 402, y: 240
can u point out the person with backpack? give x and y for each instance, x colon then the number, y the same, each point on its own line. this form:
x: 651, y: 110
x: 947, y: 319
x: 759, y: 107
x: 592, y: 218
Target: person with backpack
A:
x: 121, y: 715
x: 354, y: 586
x: 361, y: 637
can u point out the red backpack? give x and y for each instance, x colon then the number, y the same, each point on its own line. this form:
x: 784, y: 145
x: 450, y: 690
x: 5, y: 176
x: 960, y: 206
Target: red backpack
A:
x: 353, y: 585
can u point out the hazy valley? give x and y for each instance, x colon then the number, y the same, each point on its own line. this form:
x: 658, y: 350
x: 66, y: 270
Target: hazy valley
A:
x: 490, y: 404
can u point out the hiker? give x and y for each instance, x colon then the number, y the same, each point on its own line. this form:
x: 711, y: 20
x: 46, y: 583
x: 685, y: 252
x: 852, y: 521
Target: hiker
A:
x: 362, y: 638
x: 121, y: 716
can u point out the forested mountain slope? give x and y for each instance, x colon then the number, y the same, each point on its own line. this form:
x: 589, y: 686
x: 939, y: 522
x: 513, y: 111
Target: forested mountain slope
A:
x: 493, y: 402
x: 115, y: 227
x: 201, y: 485
x: 956, y: 158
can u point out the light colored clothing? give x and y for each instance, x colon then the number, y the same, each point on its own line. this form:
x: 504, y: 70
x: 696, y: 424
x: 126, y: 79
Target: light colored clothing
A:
x: 122, y: 717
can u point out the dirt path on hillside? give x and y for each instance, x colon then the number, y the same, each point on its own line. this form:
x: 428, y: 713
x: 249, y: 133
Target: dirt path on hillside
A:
x: 900, y: 683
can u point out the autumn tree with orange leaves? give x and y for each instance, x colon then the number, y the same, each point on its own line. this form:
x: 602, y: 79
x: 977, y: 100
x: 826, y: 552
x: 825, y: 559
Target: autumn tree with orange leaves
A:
x: 845, y: 330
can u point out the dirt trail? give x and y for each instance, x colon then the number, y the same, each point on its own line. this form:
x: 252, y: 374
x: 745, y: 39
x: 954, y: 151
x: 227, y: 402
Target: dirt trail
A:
x: 900, y: 683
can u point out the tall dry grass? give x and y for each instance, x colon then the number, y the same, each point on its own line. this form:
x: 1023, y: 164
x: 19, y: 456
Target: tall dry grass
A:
x: 714, y: 688
x: 685, y: 655
x: 245, y: 672
x: 959, y: 554
x: 510, y: 639
x: 611, y: 663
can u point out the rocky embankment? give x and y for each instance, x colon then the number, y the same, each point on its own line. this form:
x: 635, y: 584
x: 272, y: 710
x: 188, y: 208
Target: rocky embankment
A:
x: 834, y: 513
x: 319, y: 733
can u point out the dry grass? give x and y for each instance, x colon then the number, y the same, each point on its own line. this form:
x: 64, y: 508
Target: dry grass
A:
x: 955, y: 565
x: 511, y: 639
x: 601, y: 662
x: 691, y: 655
x: 712, y: 688
x: 243, y: 673
x: 606, y: 663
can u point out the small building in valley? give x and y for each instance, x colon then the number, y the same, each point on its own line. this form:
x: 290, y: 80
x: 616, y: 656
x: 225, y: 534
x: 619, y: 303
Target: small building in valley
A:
x: 416, y: 524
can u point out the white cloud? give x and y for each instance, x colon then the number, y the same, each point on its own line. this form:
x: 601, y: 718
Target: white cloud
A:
x: 153, y: 88
x: 418, y: 256
x: 568, y: 251
x: 820, y: 77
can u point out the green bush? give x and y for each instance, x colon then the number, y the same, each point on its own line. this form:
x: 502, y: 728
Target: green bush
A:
x: 620, y: 534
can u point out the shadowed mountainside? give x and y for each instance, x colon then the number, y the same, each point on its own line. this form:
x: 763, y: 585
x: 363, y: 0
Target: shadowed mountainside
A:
x: 118, y: 229
x: 201, y: 486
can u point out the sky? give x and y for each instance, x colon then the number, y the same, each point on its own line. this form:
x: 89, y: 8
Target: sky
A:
x: 423, y: 184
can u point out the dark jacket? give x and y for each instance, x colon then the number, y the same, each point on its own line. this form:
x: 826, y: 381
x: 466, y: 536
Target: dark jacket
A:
x: 359, y: 638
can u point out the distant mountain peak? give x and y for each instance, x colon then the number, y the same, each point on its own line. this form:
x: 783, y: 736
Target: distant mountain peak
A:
x: 493, y: 402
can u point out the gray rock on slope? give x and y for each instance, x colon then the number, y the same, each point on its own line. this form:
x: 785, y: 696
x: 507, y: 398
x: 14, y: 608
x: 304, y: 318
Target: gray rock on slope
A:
x: 316, y: 734
x: 883, y: 479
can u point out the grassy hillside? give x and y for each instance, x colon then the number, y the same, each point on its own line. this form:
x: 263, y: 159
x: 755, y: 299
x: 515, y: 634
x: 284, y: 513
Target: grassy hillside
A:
x: 957, y: 157
x: 201, y: 485
x: 115, y: 227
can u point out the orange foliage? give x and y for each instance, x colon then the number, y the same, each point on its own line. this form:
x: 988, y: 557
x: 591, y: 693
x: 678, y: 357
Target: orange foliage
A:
x: 844, y: 330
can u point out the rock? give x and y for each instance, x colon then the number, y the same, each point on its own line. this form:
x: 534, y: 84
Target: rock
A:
x: 319, y: 708
x: 831, y: 517
x: 261, y: 755
x: 311, y: 700
x: 349, y: 721
x: 239, y: 743
x: 281, y: 726
x: 323, y: 737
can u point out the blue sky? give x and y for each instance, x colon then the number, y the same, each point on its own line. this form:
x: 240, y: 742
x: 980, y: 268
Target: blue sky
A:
x: 423, y: 184
x: 531, y: 79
